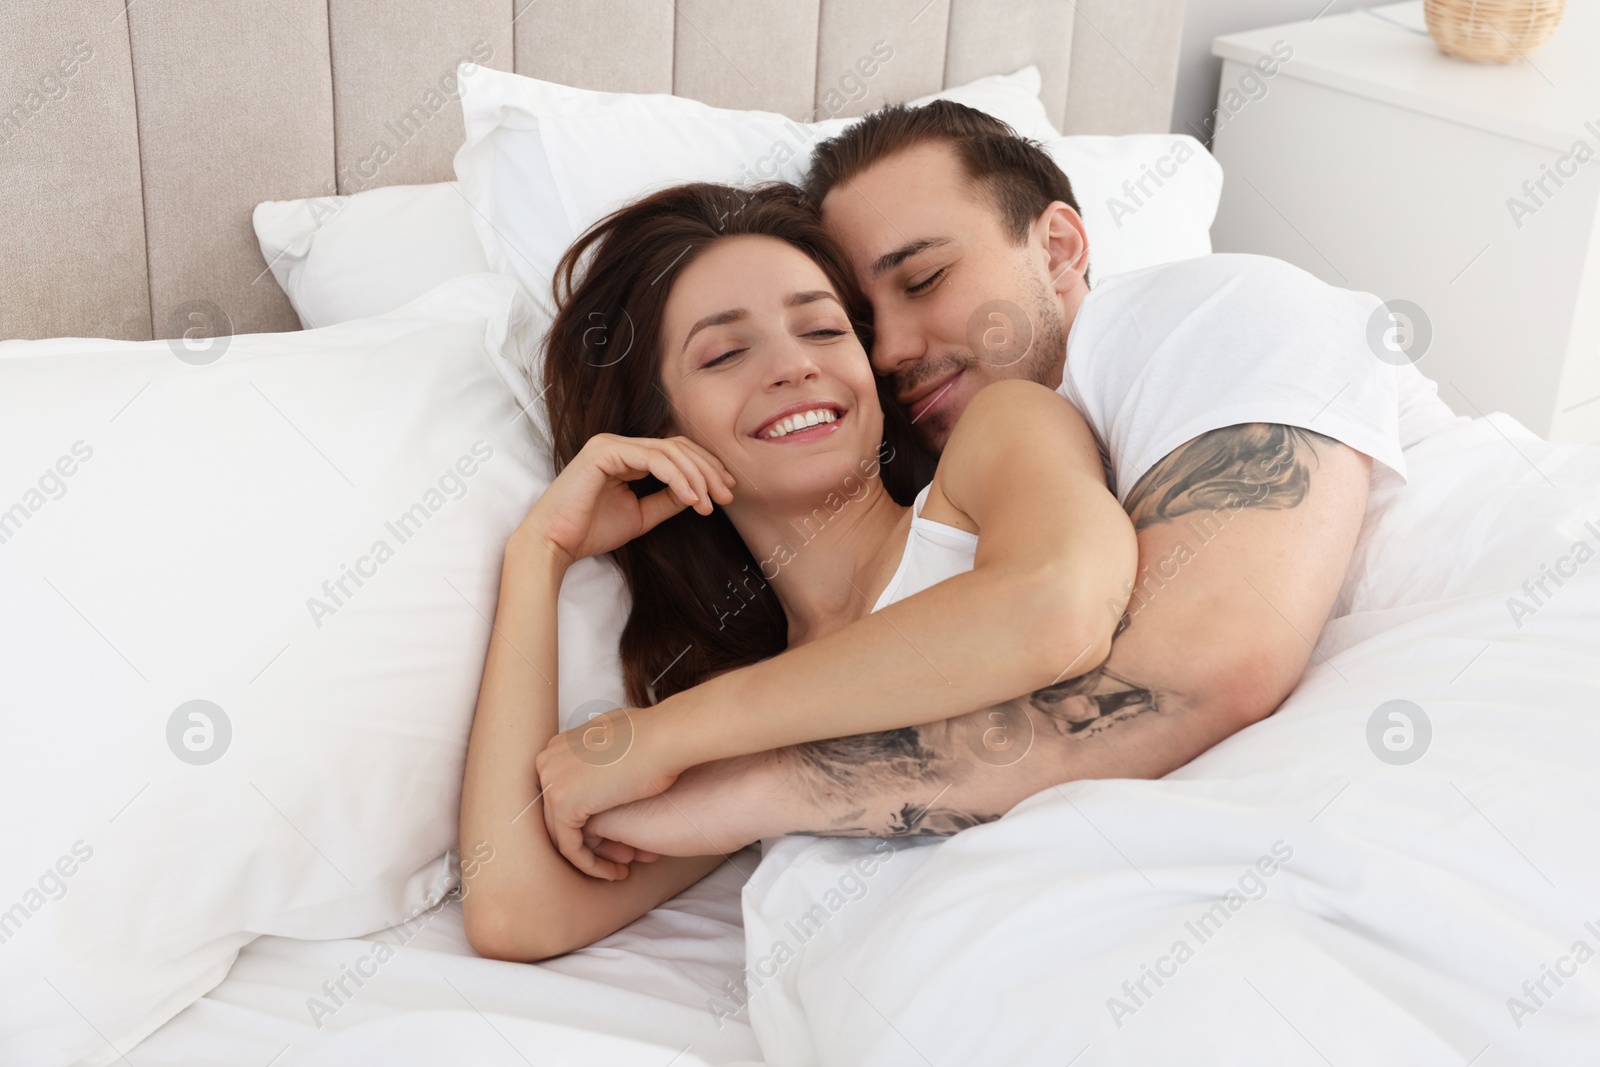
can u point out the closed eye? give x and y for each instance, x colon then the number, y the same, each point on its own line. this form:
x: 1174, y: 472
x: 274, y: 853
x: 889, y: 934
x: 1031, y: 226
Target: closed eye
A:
x: 825, y: 333
x: 927, y: 283
x: 724, y: 357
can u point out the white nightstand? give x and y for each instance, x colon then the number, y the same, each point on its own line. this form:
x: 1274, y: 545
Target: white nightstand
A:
x: 1376, y: 162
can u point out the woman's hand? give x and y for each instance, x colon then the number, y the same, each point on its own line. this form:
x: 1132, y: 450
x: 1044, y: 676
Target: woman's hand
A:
x: 617, y: 852
x: 600, y: 764
x: 589, y: 508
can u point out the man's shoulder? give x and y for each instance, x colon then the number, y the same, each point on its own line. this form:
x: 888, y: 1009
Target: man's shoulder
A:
x: 1224, y: 290
x: 1212, y: 271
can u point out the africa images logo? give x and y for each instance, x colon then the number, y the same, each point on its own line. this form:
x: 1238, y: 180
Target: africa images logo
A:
x: 451, y: 485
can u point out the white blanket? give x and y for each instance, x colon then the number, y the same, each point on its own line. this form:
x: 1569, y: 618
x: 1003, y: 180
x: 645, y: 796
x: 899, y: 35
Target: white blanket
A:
x: 416, y: 995
x: 1289, y: 897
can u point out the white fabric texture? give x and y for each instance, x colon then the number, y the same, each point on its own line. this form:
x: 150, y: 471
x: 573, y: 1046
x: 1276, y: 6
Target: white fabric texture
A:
x: 1159, y: 356
x: 339, y: 258
x: 460, y: 1035
x: 1290, y: 895
x: 204, y: 522
x: 392, y: 996
x: 1145, y: 199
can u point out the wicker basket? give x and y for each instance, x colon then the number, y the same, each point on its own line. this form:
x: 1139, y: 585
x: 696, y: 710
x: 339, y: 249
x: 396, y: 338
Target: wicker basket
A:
x: 1498, y: 30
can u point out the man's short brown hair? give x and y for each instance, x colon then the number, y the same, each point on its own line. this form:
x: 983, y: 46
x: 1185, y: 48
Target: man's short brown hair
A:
x: 1015, y: 173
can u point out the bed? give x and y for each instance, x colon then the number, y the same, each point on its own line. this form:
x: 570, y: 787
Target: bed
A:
x: 1389, y: 908
x: 650, y: 986
x: 138, y: 139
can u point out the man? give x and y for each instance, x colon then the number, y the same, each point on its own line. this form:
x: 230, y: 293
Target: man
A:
x: 1244, y: 418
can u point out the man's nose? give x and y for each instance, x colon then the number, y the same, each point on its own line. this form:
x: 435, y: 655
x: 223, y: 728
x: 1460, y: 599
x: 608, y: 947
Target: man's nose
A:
x: 896, y: 345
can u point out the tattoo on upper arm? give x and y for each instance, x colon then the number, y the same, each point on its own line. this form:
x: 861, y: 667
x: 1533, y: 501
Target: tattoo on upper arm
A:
x: 1255, y: 464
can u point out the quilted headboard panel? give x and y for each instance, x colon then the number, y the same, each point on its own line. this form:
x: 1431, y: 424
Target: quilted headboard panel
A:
x: 136, y: 136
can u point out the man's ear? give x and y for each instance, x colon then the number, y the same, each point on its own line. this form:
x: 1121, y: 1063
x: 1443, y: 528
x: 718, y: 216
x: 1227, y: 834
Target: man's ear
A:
x: 1065, y: 243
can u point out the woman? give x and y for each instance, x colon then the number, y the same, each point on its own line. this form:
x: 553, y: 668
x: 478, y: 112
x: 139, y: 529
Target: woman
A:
x: 715, y: 344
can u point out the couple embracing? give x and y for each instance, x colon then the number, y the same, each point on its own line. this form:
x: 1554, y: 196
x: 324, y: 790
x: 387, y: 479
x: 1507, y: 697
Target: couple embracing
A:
x: 985, y: 527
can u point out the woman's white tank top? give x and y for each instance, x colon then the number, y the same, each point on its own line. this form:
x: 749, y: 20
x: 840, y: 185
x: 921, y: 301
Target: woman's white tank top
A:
x: 934, y: 552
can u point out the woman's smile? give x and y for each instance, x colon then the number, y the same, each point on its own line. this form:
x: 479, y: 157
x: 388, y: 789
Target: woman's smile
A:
x: 805, y: 420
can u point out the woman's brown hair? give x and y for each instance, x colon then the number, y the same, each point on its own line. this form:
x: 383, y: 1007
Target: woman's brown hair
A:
x: 700, y: 601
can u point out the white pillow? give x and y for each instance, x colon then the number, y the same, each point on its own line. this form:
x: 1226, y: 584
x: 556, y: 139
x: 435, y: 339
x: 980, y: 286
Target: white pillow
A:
x: 1012, y: 98
x: 1145, y: 198
x: 599, y: 151
x: 346, y: 257
x: 170, y: 516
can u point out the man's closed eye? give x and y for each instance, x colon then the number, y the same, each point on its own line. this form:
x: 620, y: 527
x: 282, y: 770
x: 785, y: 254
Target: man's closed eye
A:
x: 927, y: 283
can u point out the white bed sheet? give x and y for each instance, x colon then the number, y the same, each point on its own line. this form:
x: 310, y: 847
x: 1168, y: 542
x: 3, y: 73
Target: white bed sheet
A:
x: 647, y: 989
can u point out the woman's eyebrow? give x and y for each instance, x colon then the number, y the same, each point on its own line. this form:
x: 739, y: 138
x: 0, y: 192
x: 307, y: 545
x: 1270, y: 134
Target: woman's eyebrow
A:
x: 810, y: 296
x: 721, y: 318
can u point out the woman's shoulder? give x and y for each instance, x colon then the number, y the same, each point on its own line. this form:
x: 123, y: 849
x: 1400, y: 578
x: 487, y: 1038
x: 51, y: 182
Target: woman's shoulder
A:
x: 1008, y: 405
x: 1002, y: 417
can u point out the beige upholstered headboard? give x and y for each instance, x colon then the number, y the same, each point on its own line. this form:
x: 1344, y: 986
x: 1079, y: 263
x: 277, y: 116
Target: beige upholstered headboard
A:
x: 136, y: 136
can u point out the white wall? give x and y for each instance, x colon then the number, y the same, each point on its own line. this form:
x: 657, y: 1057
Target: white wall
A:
x: 1198, y: 69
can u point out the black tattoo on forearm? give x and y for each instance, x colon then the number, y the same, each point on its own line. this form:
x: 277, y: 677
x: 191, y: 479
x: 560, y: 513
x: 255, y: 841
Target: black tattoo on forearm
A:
x: 915, y: 760
x: 910, y: 821
x: 848, y: 762
x: 1262, y: 465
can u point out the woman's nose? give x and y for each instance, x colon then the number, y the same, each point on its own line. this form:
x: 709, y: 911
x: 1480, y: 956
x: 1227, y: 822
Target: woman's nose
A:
x: 794, y: 364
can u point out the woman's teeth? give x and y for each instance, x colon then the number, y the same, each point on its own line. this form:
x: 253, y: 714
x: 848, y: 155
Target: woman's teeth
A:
x: 800, y: 420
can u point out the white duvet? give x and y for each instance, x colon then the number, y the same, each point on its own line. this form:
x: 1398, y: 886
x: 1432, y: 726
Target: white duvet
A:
x: 1289, y: 897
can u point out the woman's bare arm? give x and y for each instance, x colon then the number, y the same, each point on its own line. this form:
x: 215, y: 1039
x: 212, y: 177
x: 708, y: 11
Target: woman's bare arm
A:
x: 1052, y: 574
x: 529, y: 903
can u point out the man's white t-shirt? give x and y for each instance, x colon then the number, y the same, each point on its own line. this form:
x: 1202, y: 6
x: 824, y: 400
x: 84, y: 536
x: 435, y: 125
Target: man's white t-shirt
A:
x: 1159, y: 356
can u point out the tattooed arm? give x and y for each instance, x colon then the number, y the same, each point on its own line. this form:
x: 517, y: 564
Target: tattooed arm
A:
x: 931, y: 780
x: 941, y: 778
x: 1244, y: 535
